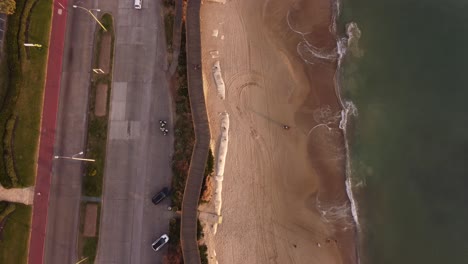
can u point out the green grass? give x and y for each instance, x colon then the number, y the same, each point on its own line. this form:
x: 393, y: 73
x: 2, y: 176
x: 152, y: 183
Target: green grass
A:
x: 23, y: 93
x: 97, y: 137
x: 90, y: 248
x: 174, y: 231
x: 169, y: 27
x: 4, y: 77
x: 15, y: 236
x: 203, y: 254
x: 29, y: 104
x: 97, y: 126
x: 88, y: 245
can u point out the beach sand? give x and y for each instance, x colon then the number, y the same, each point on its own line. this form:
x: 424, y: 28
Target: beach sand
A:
x: 284, y: 198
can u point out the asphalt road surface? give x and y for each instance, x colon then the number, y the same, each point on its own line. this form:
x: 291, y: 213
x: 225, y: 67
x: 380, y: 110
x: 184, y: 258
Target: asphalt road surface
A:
x: 138, y: 154
x: 65, y: 190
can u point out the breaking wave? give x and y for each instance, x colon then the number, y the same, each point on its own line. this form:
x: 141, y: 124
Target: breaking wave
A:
x: 311, y: 54
x: 306, y: 50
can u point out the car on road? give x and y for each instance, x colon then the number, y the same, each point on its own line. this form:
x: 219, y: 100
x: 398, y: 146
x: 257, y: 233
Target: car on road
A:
x: 160, y: 242
x: 157, y: 198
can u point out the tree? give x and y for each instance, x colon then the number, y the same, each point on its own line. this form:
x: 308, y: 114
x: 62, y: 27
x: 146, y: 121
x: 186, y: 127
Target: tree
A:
x: 7, y: 6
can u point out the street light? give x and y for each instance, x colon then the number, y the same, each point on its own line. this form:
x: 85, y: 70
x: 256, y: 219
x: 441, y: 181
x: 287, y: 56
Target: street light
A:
x: 89, y: 11
x: 82, y: 260
x: 73, y: 157
x: 32, y: 45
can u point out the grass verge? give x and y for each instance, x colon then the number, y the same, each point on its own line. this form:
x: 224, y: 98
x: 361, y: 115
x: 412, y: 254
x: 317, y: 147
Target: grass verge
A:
x: 23, y: 91
x: 209, y: 169
x: 169, y: 27
x: 28, y: 107
x: 169, y: 13
x: 88, y: 245
x: 22, y: 81
x: 174, y: 252
x: 15, y: 236
x: 97, y: 125
x: 184, y: 135
x: 97, y: 137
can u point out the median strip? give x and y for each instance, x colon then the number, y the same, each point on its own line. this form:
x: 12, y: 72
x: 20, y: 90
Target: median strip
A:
x: 98, y: 119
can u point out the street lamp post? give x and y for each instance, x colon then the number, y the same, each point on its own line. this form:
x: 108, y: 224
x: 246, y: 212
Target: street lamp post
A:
x: 91, y: 13
x: 73, y: 157
x: 32, y: 45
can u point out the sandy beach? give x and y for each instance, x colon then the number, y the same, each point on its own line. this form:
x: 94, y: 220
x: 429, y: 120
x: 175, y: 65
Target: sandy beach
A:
x: 284, y: 198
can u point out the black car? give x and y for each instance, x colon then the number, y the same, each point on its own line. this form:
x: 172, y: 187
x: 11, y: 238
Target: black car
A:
x: 160, y: 242
x: 160, y: 195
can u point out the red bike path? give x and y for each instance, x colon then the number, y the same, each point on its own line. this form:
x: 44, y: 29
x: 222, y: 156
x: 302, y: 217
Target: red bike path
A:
x: 47, y: 137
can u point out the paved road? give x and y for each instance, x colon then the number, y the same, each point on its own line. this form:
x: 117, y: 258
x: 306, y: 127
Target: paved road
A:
x: 138, y: 155
x: 202, y: 134
x: 49, y: 118
x: 65, y: 194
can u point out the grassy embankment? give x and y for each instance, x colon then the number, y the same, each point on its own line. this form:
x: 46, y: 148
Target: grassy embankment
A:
x: 21, y: 95
x: 97, y: 136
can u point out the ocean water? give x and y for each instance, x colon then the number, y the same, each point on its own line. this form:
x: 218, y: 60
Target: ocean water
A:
x: 409, y: 141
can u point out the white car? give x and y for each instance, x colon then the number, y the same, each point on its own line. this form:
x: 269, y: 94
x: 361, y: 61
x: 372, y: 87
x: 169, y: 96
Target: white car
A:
x: 160, y: 242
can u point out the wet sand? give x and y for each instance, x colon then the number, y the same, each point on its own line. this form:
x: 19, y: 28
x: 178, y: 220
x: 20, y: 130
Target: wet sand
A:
x: 284, y: 198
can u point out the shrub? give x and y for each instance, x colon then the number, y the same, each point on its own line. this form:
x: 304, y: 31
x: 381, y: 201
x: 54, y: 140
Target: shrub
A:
x: 8, y: 151
x: 203, y: 254
x: 10, y: 207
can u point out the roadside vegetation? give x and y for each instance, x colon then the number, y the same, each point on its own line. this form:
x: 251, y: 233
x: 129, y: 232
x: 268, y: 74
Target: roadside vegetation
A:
x: 184, y: 139
x: 88, y: 245
x: 97, y: 125
x: 22, y: 91
x: 7, y: 7
x: 22, y: 80
x: 169, y: 12
x: 15, y: 235
x: 97, y: 130
x: 206, y: 191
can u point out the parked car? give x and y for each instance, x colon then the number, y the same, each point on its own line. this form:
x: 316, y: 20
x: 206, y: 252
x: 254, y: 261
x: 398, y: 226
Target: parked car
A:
x: 160, y: 242
x: 157, y: 198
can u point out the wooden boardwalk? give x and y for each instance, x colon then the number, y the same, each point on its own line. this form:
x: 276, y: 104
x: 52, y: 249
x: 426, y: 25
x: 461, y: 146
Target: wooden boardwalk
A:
x: 188, y: 232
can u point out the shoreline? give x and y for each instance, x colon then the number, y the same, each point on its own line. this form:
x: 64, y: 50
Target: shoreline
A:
x: 347, y: 109
x: 302, y: 170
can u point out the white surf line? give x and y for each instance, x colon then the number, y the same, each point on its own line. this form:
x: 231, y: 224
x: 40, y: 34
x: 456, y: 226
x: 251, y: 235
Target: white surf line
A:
x: 316, y: 52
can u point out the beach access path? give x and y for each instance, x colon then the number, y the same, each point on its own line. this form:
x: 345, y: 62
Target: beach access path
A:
x: 188, y: 232
x: 47, y: 136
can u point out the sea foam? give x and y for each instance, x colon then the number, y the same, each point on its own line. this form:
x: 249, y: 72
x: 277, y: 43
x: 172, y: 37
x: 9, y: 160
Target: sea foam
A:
x: 308, y: 53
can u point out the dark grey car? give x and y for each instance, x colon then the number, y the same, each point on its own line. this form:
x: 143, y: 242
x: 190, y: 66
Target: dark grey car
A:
x: 157, y: 198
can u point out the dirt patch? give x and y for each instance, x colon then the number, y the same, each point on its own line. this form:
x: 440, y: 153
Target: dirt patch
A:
x: 90, y: 227
x: 100, y: 108
x: 105, y: 54
x: 208, y: 193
